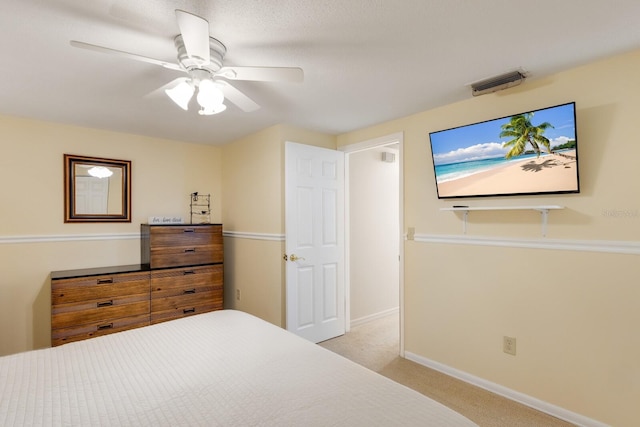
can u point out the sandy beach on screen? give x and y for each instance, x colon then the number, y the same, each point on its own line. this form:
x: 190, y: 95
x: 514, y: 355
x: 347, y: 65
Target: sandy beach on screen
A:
x: 549, y: 172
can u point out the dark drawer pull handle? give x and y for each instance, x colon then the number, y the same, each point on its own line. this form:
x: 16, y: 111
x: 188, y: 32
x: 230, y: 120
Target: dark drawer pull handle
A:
x: 190, y: 250
x: 189, y: 291
x: 103, y: 327
x: 189, y: 230
x: 105, y: 303
x: 188, y: 272
x: 189, y: 310
x: 105, y: 281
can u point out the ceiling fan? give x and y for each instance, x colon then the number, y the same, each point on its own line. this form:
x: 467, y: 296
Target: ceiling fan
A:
x: 201, y: 57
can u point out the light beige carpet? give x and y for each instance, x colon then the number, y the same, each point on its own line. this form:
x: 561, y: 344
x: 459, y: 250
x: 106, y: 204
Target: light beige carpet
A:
x: 375, y: 346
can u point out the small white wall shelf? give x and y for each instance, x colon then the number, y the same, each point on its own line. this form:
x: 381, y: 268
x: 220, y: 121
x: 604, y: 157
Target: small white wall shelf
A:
x: 543, y: 209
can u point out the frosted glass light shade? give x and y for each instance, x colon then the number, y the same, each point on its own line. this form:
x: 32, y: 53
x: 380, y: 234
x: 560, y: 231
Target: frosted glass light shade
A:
x: 181, y: 94
x: 210, y: 97
x: 208, y: 112
x: 100, y: 172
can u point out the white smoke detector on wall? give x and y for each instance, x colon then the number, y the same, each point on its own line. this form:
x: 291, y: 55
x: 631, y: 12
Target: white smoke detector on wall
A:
x: 388, y: 157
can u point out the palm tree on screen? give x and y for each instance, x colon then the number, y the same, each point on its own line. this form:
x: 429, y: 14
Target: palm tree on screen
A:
x: 523, y: 132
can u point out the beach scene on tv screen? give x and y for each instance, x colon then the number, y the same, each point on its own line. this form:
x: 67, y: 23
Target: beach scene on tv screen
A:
x: 528, y: 153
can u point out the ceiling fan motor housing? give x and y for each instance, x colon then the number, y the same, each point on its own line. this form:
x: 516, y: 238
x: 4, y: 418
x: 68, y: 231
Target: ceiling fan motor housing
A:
x: 217, y: 52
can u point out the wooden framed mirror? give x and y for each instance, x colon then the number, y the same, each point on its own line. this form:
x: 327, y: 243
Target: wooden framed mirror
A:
x: 96, y: 189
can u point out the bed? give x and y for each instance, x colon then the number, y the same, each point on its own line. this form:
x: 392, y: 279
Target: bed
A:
x: 224, y: 368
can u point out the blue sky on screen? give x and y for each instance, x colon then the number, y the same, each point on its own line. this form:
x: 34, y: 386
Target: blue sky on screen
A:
x: 481, y: 140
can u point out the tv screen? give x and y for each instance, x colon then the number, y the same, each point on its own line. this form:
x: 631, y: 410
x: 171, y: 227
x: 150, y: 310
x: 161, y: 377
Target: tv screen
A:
x: 535, y: 152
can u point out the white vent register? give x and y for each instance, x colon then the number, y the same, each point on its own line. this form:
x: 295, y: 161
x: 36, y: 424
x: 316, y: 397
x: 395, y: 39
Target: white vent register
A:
x: 496, y: 83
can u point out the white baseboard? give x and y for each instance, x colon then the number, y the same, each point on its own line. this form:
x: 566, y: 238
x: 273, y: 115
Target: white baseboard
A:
x: 532, y: 402
x: 371, y: 317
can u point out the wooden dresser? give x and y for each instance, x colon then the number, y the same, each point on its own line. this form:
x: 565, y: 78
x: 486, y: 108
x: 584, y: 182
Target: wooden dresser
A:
x: 186, y: 269
x: 181, y: 274
x: 96, y: 301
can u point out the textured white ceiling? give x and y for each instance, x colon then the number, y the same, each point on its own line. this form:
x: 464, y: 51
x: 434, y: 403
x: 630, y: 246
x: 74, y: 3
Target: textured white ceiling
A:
x: 365, y: 61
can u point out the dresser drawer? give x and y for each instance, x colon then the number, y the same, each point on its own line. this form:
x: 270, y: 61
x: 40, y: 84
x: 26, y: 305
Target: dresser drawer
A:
x: 94, y: 288
x: 180, y: 292
x: 184, y: 255
x: 186, y: 281
x: 169, y: 308
x: 172, y: 246
x: 185, y: 235
x: 98, y: 311
x: 96, y: 329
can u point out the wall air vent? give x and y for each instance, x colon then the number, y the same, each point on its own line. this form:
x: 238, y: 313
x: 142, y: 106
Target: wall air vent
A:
x: 494, y: 84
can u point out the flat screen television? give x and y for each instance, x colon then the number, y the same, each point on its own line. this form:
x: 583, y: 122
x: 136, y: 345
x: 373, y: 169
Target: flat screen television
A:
x: 535, y: 152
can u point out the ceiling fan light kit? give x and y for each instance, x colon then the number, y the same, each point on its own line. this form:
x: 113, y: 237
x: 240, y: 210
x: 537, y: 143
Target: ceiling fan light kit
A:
x: 181, y: 94
x: 211, y: 111
x: 210, y: 98
x: 201, y: 57
x: 100, y: 172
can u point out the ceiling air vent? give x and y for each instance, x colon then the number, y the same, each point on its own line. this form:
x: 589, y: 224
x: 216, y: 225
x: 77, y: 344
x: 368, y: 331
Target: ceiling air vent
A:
x: 494, y: 84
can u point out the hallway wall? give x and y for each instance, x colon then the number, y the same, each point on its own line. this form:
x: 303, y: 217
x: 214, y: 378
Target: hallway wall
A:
x: 374, y: 229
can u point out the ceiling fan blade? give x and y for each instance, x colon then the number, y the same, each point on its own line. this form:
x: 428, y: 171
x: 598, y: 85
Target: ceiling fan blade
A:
x: 160, y: 92
x: 128, y: 55
x: 264, y: 74
x: 195, y: 35
x: 243, y: 102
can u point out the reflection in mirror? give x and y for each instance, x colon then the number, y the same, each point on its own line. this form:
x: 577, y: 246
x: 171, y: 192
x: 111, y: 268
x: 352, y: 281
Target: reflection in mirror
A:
x: 97, y: 189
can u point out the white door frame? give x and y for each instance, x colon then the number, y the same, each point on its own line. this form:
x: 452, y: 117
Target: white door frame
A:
x: 354, y: 148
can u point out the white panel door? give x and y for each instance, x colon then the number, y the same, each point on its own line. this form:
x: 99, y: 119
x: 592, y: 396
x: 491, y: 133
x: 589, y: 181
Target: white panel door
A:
x: 314, y: 210
x: 92, y: 195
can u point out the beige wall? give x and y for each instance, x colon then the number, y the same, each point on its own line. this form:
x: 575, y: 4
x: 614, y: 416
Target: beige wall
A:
x: 252, y: 177
x: 575, y: 314
x: 34, y: 240
x: 253, y: 182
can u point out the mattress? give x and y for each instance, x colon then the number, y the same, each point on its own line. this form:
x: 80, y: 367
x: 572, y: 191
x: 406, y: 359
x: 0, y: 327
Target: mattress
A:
x: 224, y: 368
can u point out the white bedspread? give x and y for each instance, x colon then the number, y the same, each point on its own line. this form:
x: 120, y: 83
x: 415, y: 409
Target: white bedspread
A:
x: 224, y: 368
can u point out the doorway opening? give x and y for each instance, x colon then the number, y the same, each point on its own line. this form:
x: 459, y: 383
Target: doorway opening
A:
x: 374, y: 236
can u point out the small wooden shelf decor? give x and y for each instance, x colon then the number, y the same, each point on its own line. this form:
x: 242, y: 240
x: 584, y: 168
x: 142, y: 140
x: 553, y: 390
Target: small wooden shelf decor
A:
x: 200, y: 208
x: 543, y: 209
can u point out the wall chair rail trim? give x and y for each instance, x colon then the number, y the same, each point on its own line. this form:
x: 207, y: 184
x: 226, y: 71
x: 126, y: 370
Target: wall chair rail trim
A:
x: 122, y: 236
x: 67, y: 238
x: 615, y: 246
x: 254, y: 236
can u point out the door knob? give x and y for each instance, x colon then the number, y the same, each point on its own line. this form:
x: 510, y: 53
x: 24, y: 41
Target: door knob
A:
x: 293, y: 257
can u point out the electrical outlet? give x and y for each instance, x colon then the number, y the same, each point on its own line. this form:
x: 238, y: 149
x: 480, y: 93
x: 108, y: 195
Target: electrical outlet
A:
x: 509, y: 345
x: 238, y: 294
